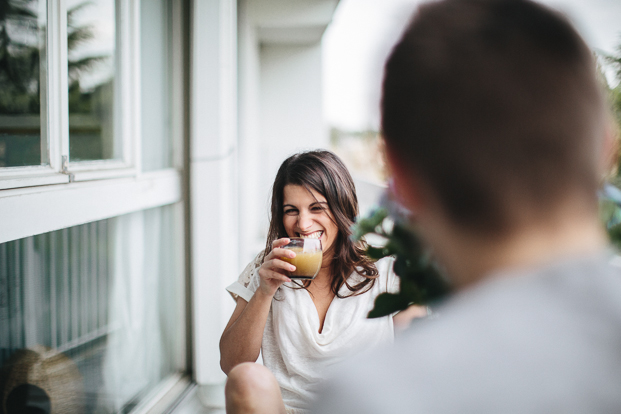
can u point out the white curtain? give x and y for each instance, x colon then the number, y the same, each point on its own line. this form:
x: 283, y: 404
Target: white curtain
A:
x: 146, y: 305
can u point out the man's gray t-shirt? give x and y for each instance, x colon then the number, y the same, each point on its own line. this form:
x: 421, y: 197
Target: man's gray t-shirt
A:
x: 540, y: 341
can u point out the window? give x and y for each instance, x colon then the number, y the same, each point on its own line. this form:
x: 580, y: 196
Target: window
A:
x: 71, y: 88
x: 92, y: 90
x: 102, y: 296
x: 92, y: 268
x: 86, y: 93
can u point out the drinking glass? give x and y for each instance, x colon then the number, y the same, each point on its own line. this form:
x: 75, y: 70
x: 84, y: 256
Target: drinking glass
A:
x: 308, y: 257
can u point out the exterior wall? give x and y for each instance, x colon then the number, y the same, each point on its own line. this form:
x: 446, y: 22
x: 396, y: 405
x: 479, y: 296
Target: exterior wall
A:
x: 296, y: 15
x: 252, y: 200
x: 213, y: 177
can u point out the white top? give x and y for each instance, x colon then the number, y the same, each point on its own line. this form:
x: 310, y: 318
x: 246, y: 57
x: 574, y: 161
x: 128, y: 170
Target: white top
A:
x: 294, y: 350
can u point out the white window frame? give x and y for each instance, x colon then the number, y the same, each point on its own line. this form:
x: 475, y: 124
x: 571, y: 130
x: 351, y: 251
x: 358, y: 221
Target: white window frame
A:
x: 39, y: 199
x: 55, y: 116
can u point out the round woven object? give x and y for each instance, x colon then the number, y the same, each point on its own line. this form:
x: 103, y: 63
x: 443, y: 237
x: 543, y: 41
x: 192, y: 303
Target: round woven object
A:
x: 39, y: 380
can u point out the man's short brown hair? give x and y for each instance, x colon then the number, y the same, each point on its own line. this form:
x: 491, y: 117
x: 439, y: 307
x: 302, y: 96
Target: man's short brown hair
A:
x: 496, y: 105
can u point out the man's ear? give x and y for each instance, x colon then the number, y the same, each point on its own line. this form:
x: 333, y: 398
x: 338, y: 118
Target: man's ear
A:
x: 407, y: 183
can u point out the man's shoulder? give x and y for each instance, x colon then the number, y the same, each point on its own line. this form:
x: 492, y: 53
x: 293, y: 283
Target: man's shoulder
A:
x: 515, y: 341
x: 513, y: 309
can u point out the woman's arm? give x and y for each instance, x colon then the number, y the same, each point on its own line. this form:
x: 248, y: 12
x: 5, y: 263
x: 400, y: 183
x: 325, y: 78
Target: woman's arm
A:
x: 241, y: 340
x: 242, y: 337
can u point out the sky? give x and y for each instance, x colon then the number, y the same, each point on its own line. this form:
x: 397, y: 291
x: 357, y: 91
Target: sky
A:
x: 362, y: 32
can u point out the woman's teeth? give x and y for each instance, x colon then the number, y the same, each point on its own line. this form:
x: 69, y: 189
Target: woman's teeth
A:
x: 314, y: 235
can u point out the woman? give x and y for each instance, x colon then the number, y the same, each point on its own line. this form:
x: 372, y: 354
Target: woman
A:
x: 303, y: 329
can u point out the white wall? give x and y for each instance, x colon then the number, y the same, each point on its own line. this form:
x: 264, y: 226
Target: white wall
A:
x: 291, y: 116
x: 280, y: 100
x: 251, y: 200
x: 295, y: 14
x: 213, y: 177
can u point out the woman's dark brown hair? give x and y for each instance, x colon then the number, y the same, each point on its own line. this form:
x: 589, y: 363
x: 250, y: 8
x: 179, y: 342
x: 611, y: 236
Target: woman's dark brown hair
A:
x: 325, y: 173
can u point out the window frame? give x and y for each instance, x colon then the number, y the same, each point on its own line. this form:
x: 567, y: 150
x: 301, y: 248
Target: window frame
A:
x: 42, y: 198
x: 55, y: 103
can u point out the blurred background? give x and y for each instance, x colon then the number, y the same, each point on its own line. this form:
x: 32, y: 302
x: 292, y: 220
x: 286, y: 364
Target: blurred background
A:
x: 359, y: 39
x: 138, y: 143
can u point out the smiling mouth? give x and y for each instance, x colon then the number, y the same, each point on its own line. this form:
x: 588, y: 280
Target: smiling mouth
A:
x: 313, y: 235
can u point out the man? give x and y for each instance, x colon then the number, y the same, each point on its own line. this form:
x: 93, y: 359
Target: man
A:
x: 494, y: 124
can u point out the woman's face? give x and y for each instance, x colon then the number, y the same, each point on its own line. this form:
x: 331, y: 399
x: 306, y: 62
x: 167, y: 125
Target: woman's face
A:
x: 306, y: 214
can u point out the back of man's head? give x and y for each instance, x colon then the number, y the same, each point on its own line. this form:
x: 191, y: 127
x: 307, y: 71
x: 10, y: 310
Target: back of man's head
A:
x: 496, y: 106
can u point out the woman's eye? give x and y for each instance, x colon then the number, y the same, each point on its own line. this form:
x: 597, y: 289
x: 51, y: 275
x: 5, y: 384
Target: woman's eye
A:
x: 290, y: 211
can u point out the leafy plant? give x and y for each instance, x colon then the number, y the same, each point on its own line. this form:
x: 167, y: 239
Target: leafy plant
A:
x: 421, y: 282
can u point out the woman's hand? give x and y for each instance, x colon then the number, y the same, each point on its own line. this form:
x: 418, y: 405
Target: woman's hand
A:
x: 404, y: 318
x: 272, y: 271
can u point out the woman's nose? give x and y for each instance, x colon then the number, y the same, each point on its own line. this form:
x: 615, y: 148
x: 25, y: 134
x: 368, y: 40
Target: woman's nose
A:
x: 304, y: 221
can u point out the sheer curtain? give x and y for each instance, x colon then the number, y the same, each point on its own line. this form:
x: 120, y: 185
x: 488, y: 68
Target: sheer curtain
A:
x: 146, y: 303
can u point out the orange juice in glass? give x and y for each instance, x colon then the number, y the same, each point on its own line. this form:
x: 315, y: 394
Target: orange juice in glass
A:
x: 308, y: 257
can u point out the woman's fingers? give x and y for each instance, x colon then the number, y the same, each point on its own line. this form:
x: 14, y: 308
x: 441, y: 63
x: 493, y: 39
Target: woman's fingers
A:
x: 268, y: 274
x: 281, y: 264
x: 272, y: 269
x: 282, y: 253
x: 271, y: 274
x: 278, y: 252
x: 280, y: 242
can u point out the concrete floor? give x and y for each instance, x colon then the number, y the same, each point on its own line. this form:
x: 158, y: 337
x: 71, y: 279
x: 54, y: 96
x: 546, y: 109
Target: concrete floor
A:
x: 192, y: 404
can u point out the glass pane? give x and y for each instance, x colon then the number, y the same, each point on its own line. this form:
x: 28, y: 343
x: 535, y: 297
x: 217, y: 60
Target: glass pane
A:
x: 156, y: 84
x: 92, y: 316
x: 91, y: 43
x: 22, y: 82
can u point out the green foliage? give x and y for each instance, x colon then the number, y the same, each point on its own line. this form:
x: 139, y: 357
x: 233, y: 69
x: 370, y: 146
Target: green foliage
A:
x: 615, y: 236
x: 421, y: 282
x: 613, y: 62
x: 19, y: 59
x: 80, y: 100
x: 610, y: 213
x: 21, y: 50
